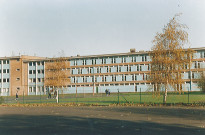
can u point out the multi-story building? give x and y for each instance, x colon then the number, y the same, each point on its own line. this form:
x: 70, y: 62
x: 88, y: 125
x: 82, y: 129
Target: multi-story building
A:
x: 126, y: 72
x: 14, y: 74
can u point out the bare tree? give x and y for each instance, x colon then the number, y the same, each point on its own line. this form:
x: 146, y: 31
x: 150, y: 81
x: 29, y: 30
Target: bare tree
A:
x: 169, y: 58
x: 57, y: 72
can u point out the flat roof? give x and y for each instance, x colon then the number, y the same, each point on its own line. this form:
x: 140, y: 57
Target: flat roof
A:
x: 27, y: 58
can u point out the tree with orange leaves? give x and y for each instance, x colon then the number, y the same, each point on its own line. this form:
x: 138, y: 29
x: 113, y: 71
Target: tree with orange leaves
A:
x: 57, y: 72
x: 169, y: 57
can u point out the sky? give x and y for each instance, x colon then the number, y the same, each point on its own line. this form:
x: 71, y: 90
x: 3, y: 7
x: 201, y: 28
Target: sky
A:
x: 88, y: 27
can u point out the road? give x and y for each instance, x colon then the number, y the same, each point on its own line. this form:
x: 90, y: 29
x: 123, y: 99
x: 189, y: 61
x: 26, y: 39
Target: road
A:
x: 102, y: 120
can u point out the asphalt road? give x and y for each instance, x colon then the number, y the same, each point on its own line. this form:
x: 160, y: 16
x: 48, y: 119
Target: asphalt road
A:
x: 102, y: 121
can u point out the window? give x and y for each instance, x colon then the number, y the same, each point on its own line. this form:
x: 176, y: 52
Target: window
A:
x: 39, y: 71
x: 18, y: 79
x: 7, y: 79
x: 113, y: 78
x: 133, y: 59
x: 98, y: 70
x: 91, y: 69
x: 17, y: 69
x: 142, y: 58
x: 18, y: 88
x: 198, y: 65
x: 4, y: 80
x: 34, y: 80
x: 4, y: 70
x: 34, y: 63
x: 30, y: 63
x: 4, y: 61
x: 30, y: 71
x: 39, y: 79
x: 34, y: 71
x: 0, y: 80
x: 0, y: 61
x: 195, y: 65
x: 7, y: 70
x: 18, y: 60
x: 0, y: 71
x: 30, y: 89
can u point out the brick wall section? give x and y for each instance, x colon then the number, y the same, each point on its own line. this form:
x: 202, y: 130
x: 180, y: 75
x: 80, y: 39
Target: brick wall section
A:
x: 14, y: 74
x: 22, y: 74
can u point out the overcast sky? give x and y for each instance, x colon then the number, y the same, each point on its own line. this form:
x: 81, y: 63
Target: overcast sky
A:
x: 88, y: 27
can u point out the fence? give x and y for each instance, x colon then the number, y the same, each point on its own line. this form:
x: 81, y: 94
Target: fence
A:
x: 113, y: 98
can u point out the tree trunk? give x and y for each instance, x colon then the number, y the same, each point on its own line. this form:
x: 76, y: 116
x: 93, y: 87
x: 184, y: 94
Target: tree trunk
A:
x: 57, y: 96
x: 165, y: 93
x: 165, y: 96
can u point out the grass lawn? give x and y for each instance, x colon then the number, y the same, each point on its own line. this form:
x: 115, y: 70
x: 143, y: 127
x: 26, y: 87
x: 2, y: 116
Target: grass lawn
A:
x: 102, y: 99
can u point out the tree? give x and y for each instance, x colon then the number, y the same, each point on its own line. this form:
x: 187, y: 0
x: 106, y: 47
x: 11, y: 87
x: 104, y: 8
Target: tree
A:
x: 57, y: 72
x: 201, y: 82
x: 169, y: 58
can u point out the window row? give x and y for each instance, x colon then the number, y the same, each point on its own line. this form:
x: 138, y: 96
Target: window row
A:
x: 96, y: 61
x: 34, y: 80
x: 4, y: 62
x: 34, y: 63
x: 4, y: 80
x: 113, y: 78
x: 112, y: 69
x: 39, y: 89
x: 4, y: 90
x: 4, y: 71
x: 38, y: 71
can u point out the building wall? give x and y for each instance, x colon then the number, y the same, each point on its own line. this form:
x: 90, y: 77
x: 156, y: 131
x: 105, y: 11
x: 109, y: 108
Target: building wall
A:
x: 130, y: 70
x: 16, y: 77
x: 124, y: 72
x: 4, y: 77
